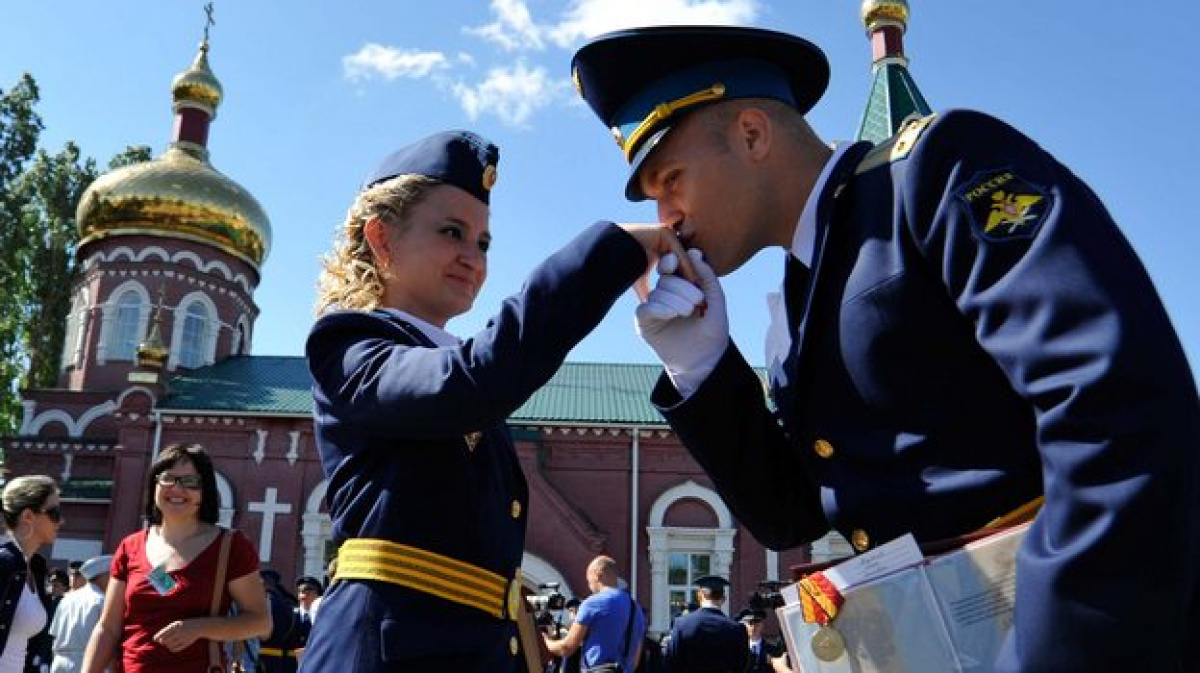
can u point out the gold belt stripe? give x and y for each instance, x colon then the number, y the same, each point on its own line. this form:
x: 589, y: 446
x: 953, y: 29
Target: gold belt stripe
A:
x: 1022, y: 514
x: 424, y: 571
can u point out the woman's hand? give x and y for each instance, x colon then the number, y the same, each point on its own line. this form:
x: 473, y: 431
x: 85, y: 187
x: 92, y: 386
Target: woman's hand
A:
x: 658, y: 240
x: 177, y: 635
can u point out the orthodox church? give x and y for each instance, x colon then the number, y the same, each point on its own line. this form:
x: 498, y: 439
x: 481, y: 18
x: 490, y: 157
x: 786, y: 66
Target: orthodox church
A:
x: 159, y: 348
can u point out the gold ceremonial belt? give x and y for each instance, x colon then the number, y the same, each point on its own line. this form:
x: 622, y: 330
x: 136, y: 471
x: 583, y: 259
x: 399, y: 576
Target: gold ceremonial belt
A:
x: 430, y: 573
x: 1023, y: 514
x: 275, y: 652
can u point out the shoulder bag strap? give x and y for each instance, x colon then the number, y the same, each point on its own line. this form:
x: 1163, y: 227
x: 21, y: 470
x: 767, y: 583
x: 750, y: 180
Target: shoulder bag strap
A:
x: 214, y: 652
x: 628, y: 630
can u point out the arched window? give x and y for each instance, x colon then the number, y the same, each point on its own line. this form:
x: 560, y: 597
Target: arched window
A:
x: 681, y: 553
x: 193, y: 344
x: 77, y: 327
x: 127, y: 327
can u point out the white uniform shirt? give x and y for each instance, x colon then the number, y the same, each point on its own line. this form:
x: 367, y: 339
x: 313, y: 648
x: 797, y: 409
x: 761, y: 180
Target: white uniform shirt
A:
x: 76, y: 616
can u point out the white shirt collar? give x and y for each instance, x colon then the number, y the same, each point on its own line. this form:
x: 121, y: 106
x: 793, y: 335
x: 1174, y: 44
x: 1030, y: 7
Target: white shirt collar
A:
x: 802, y: 240
x: 437, y: 335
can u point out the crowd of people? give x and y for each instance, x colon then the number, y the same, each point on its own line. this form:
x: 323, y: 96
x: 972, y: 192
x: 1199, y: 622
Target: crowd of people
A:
x: 182, y: 594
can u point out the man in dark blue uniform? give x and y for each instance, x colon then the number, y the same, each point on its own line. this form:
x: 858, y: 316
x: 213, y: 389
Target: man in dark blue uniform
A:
x: 762, y: 650
x: 428, y: 500
x: 962, y: 331
x: 706, y: 640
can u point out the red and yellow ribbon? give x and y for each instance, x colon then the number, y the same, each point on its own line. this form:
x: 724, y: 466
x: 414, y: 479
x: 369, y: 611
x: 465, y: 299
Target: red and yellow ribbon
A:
x: 819, y: 599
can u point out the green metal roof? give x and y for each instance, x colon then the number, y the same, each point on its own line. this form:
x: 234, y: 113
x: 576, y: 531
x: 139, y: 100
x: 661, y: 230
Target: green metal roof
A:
x: 246, y: 384
x: 894, y: 97
x: 580, y: 392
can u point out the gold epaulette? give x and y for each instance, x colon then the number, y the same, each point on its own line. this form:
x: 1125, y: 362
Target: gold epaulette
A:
x: 897, y: 147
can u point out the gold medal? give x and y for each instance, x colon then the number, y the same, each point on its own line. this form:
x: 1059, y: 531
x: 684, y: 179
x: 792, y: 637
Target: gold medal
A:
x: 828, y: 644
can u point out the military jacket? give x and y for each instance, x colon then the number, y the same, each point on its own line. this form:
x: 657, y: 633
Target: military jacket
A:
x: 707, y: 641
x: 973, y: 332
x: 413, y: 440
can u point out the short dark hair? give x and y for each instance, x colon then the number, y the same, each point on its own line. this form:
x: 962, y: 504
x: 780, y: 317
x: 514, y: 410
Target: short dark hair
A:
x: 210, y: 498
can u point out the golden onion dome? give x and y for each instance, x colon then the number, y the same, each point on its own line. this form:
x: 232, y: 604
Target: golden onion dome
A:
x: 876, y: 12
x: 177, y: 195
x: 197, y: 85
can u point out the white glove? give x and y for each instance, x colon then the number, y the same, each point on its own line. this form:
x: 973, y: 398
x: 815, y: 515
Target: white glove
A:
x: 689, y: 342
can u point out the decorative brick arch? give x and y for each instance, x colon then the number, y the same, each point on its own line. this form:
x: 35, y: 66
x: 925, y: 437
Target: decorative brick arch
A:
x: 717, y: 542
x: 316, y: 530
x: 535, y: 570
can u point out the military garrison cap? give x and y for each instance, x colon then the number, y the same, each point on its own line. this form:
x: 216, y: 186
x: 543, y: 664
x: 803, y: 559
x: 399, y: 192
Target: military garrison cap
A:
x: 751, y: 615
x: 712, y: 583
x: 458, y: 158
x: 95, y: 566
x: 309, y: 582
x: 641, y: 82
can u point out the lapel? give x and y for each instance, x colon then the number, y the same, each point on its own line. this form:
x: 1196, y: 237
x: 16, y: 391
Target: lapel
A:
x: 830, y: 194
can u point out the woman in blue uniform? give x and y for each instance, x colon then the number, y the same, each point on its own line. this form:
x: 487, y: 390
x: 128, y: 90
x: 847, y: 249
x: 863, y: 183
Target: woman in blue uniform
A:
x: 427, y: 497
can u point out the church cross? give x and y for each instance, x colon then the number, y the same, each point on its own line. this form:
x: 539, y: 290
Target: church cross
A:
x: 269, y: 507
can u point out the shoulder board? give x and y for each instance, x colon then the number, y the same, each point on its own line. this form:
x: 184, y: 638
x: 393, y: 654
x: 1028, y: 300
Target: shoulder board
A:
x: 897, y: 147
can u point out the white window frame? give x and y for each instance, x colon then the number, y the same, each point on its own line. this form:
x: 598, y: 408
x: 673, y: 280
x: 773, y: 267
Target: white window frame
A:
x: 716, y: 542
x: 109, y: 322
x: 77, y: 328
x: 208, y: 338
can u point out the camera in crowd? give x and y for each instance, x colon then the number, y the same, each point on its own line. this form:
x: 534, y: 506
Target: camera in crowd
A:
x: 767, y: 597
x: 545, y: 603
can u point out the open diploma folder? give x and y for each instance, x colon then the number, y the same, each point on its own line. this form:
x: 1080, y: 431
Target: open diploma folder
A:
x: 947, y: 613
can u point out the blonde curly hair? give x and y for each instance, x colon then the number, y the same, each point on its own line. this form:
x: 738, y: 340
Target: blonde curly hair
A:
x: 349, y: 277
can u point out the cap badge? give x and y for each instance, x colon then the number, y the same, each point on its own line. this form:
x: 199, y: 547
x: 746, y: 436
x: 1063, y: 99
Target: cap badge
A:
x: 489, y: 177
x: 578, y: 82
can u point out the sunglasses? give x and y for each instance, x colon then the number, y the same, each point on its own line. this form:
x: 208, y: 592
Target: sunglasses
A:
x: 192, y: 482
x: 54, y: 513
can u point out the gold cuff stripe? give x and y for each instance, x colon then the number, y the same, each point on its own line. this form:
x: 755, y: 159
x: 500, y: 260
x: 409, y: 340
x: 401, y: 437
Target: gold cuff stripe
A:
x: 663, y: 111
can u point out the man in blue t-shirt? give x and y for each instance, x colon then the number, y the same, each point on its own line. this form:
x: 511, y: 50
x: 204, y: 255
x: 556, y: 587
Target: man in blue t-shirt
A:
x: 609, y: 626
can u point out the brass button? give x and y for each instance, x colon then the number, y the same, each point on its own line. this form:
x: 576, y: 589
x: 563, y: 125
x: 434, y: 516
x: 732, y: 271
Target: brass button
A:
x: 513, y: 646
x: 860, y: 539
x: 823, y: 448
x: 516, y: 510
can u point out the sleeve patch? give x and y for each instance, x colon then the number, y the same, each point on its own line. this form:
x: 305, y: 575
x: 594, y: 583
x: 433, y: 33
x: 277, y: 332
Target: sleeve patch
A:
x: 1003, y: 206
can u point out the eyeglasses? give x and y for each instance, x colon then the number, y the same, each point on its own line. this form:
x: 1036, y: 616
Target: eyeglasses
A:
x: 192, y: 482
x: 54, y: 513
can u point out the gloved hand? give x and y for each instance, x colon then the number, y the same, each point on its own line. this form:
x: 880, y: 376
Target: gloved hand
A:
x: 689, y: 342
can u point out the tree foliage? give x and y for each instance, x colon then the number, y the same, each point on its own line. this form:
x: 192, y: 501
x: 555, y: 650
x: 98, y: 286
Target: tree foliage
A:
x: 20, y: 127
x: 39, y: 193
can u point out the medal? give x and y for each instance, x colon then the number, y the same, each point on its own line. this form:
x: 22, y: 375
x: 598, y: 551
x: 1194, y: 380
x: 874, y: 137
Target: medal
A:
x: 828, y: 644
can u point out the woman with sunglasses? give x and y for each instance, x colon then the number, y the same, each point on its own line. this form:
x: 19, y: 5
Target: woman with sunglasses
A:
x: 157, y: 608
x: 32, y: 516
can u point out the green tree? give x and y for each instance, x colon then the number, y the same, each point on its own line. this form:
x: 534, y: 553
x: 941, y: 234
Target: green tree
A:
x: 39, y: 194
x: 50, y: 188
x: 133, y: 154
x: 20, y: 127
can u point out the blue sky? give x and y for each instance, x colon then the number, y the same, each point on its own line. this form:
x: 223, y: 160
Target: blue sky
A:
x: 317, y: 92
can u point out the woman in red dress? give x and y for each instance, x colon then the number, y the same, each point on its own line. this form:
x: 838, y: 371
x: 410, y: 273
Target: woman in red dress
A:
x: 157, y: 609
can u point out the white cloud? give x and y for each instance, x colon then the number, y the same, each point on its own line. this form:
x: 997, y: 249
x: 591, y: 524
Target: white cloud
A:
x: 512, y: 94
x: 584, y: 19
x: 513, y: 28
x: 375, y: 60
